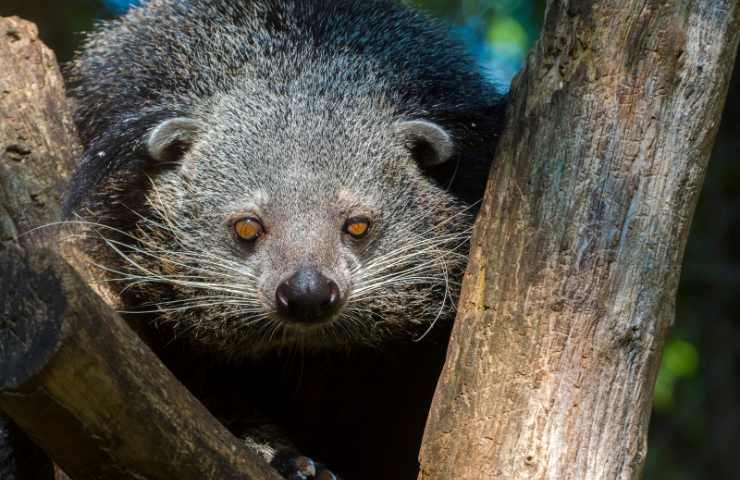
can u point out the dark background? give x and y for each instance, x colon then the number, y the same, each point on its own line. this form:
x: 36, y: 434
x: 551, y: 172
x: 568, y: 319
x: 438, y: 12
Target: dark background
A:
x: 695, y: 427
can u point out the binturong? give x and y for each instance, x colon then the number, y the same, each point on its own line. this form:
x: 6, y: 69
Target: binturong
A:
x: 266, y: 176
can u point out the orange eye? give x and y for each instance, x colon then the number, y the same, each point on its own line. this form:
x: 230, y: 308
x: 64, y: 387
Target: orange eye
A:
x: 357, y: 227
x: 248, y: 229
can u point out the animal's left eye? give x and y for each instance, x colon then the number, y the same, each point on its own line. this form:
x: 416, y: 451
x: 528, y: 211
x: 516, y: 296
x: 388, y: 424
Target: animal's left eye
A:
x: 357, y: 227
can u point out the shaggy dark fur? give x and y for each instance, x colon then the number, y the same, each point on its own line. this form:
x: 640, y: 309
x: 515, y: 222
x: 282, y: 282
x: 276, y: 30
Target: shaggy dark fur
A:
x: 302, y: 115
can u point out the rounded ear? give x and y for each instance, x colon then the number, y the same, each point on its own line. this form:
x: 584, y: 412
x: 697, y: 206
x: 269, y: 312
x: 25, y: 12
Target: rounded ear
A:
x: 169, y: 140
x: 429, y: 143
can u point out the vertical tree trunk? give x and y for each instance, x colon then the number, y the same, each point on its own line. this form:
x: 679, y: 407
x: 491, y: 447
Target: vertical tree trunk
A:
x: 38, y: 143
x: 38, y: 147
x: 576, y: 257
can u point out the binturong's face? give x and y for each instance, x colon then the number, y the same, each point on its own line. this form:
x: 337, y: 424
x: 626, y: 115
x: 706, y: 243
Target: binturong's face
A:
x: 296, y: 228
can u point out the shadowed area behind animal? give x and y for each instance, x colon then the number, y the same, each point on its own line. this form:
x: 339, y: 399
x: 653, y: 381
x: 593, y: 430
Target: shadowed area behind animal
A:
x: 362, y: 412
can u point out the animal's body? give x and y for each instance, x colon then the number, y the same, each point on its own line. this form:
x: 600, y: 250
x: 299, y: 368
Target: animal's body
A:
x: 275, y: 178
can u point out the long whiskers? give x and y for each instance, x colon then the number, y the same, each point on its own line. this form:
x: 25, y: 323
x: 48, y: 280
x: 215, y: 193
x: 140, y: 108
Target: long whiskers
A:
x: 210, y: 297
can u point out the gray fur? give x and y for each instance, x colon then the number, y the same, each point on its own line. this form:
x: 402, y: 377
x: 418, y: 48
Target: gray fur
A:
x: 429, y: 134
x: 303, y: 113
x: 170, y: 133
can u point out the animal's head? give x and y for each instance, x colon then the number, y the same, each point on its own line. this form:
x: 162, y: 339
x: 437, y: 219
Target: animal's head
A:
x: 304, y: 223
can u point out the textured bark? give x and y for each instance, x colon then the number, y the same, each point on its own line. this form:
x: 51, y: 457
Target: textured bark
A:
x: 576, y: 256
x: 38, y: 146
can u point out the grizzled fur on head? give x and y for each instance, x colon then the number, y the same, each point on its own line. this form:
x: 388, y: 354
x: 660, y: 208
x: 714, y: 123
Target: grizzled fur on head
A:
x: 198, y: 113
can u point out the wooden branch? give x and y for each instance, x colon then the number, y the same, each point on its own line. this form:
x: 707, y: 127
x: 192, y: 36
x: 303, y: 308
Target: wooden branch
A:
x: 84, y: 386
x: 577, y: 252
x: 73, y: 375
x: 38, y: 143
x: 38, y: 146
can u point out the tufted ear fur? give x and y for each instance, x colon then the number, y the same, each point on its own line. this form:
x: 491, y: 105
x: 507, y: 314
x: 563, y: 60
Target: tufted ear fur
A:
x: 169, y: 140
x: 429, y: 143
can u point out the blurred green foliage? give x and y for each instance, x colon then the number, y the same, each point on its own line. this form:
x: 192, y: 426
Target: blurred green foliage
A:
x: 696, y: 417
x: 680, y: 360
x: 499, y: 33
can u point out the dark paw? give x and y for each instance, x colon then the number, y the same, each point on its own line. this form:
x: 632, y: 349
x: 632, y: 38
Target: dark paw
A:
x: 302, y: 468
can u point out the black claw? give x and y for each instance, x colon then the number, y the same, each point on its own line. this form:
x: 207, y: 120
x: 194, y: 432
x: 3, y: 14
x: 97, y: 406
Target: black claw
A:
x: 324, y: 474
x: 304, y: 467
x: 299, y: 467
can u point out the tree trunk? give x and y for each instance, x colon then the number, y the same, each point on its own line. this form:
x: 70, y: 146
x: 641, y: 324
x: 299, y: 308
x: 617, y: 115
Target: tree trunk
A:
x: 38, y: 143
x: 38, y: 147
x: 576, y: 256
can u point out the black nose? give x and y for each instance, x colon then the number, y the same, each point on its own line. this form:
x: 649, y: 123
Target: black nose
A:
x: 308, y: 297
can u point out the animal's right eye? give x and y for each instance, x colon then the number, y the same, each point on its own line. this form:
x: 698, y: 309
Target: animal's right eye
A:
x: 248, y: 229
